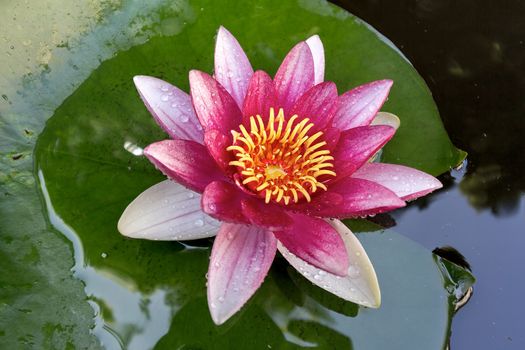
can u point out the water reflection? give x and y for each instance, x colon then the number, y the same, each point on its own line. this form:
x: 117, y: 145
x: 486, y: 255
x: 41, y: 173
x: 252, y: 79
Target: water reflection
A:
x: 472, y: 55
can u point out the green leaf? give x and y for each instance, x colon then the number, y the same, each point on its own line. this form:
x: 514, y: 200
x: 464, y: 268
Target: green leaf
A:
x: 58, y: 230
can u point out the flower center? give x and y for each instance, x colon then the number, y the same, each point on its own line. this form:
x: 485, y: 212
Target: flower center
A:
x: 281, y: 161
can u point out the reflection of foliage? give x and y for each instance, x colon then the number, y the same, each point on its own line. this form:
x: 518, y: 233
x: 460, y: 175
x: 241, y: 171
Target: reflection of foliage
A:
x: 491, y: 186
x: 475, y: 74
x: 323, y: 337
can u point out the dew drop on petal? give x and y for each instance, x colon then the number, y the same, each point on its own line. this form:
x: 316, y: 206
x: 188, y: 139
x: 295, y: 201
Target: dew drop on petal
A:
x: 164, y: 97
x: 353, y: 272
x: 199, y: 223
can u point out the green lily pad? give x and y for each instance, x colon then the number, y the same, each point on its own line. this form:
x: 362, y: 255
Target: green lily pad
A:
x: 69, y: 280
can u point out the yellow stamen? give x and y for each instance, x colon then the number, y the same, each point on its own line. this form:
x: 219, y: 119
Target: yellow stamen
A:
x: 281, y: 161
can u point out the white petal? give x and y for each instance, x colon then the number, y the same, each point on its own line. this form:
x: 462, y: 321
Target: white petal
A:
x: 167, y: 211
x: 407, y: 183
x: 316, y: 46
x: 240, y: 259
x: 359, y: 286
x: 171, y: 108
x: 385, y: 118
x: 232, y: 67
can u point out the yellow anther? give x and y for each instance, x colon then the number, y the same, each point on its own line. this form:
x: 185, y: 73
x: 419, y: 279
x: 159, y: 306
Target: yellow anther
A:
x: 280, y: 161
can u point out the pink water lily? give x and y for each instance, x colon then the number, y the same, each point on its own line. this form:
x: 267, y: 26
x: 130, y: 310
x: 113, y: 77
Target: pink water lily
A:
x: 271, y: 164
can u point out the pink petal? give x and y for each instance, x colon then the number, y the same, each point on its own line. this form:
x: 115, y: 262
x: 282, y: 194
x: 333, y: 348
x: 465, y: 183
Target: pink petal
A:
x: 317, y: 104
x: 217, y: 142
x: 352, y: 197
x: 407, y: 183
x: 316, y: 46
x: 171, y: 108
x: 358, y: 106
x: 222, y: 201
x: 357, y: 145
x: 261, y: 96
x: 295, y: 75
x: 240, y: 259
x: 215, y: 107
x: 232, y: 68
x: 186, y: 162
x: 270, y: 216
x: 331, y: 136
x: 359, y: 286
x: 167, y: 211
x: 316, y: 242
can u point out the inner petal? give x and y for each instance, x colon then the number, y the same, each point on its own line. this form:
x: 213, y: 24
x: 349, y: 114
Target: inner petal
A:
x: 281, y: 161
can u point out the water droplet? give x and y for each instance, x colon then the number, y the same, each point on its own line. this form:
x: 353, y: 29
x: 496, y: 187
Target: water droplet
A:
x: 221, y: 299
x: 353, y: 272
x: 212, y: 207
x: 213, y: 306
x: 217, y: 264
x: 184, y: 118
x: 164, y: 98
x: 191, y: 195
x: 104, y: 255
x: 165, y: 88
x: 199, y: 223
x: 174, y: 105
x: 317, y: 277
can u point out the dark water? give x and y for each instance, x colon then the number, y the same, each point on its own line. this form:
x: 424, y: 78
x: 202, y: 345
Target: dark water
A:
x: 472, y: 55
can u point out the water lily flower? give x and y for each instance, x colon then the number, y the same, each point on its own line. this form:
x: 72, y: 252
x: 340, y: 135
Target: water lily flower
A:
x: 271, y: 164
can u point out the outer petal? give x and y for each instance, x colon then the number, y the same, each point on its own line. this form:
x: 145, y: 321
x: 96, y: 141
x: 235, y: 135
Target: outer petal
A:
x: 232, y: 68
x: 316, y: 46
x: 358, y: 106
x: 352, y: 197
x: 315, y: 241
x: 357, y: 145
x: 261, y: 96
x: 186, y: 162
x: 407, y: 183
x: 215, y: 107
x: 171, y: 108
x: 240, y: 259
x: 385, y: 118
x: 317, y: 104
x: 295, y: 75
x: 167, y: 211
x: 360, y: 284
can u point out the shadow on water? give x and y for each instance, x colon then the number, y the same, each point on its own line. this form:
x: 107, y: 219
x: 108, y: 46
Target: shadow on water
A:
x: 472, y: 56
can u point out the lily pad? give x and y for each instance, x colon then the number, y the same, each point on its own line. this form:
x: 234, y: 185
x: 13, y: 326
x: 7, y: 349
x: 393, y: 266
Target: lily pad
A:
x: 69, y: 280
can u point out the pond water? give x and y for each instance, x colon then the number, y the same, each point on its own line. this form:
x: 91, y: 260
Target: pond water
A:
x: 472, y: 56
